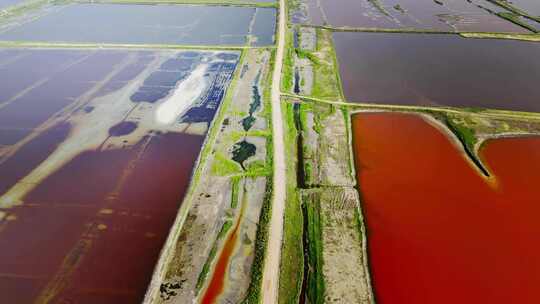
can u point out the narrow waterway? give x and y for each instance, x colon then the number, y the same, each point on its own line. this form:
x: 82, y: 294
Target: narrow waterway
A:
x: 215, y: 287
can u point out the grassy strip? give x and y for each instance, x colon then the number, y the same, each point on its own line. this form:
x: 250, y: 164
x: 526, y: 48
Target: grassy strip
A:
x: 377, y: 30
x: 254, y: 291
x: 204, y: 272
x: 465, y: 134
x: 191, y: 2
x: 337, y: 74
x: 468, y: 139
x: 313, y: 226
x: 267, y: 91
x: 224, y: 166
x: 379, y: 7
x: 523, y: 37
x: 517, y: 115
x: 292, y: 260
x: 287, y: 74
x: 348, y: 125
x: 514, y: 9
x: 235, y: 182
x: 37, y: 44
x: 411, y: 30
x: 292, y: 6
x: 514, y: 18
x: 326, y: 81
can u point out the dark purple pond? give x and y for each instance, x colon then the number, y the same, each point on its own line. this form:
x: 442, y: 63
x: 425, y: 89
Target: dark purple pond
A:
x: 439, y: 70
x: 90, y: 182
x: 445, y: 15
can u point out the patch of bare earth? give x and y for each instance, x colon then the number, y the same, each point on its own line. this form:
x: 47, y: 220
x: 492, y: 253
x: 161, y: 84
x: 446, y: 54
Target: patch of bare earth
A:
x: 223, y: 196
x: 331, y: 185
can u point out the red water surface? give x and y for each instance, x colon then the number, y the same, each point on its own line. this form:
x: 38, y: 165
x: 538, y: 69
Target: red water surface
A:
x: 92, y: 232
x: 215, y: 288
x: 31, y: 155
x: 437, y: 231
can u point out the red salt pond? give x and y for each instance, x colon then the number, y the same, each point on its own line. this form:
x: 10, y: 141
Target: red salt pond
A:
x: 215, y: 287
x: 437, y: 231
x: 31, y: 155
x: 92, y: 231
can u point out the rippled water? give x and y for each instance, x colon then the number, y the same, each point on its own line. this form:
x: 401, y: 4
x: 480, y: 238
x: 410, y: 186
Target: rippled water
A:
x: 146, y: 24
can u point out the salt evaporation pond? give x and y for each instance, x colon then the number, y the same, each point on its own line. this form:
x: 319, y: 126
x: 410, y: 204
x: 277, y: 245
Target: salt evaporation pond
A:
x: 439, y: 70
x: 530, y: 6
x: 147, y: 24
x: 6, y: 3
x: 90, y: 178
x: 447, y: 15
x: 264, y: 27
x: 437, y: 231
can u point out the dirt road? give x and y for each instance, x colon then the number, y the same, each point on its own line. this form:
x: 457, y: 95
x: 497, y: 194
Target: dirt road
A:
x: 275, y: 233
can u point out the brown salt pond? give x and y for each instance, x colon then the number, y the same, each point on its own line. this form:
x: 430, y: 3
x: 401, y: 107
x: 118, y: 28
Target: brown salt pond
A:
x: 439, y: 70
x: 446, y: 15
x: 92, y: 231
x: 437, y: 231
x: 90, y: 189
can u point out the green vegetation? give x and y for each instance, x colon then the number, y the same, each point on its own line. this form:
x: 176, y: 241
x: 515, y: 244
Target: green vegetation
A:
x: 292, y: 261
x: 400, y: 9
x: 313, y: 227
x: 326, y: 81
x: 306, y: 55
x: 223, y: 166
x: 204, y: 272
x: 292, y: 6
x: 516, y: 19
x: 37, y: 44
x: 508, y: 6
x: 194, y: 2
x: 348, y: 126
x: 207, y: 149
x: 261, y: 169
x: 258, y: 168
x: 376, y: 4
x: 220, y: 166
x: 254, y: 290
x: 287, y: 74
x: 465, y: 134
x: 524, y: 37
x: 235, y: 183
x: 380, y: 30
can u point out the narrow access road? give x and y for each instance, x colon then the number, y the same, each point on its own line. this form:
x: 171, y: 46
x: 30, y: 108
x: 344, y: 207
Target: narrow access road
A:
x: 270, y: 284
